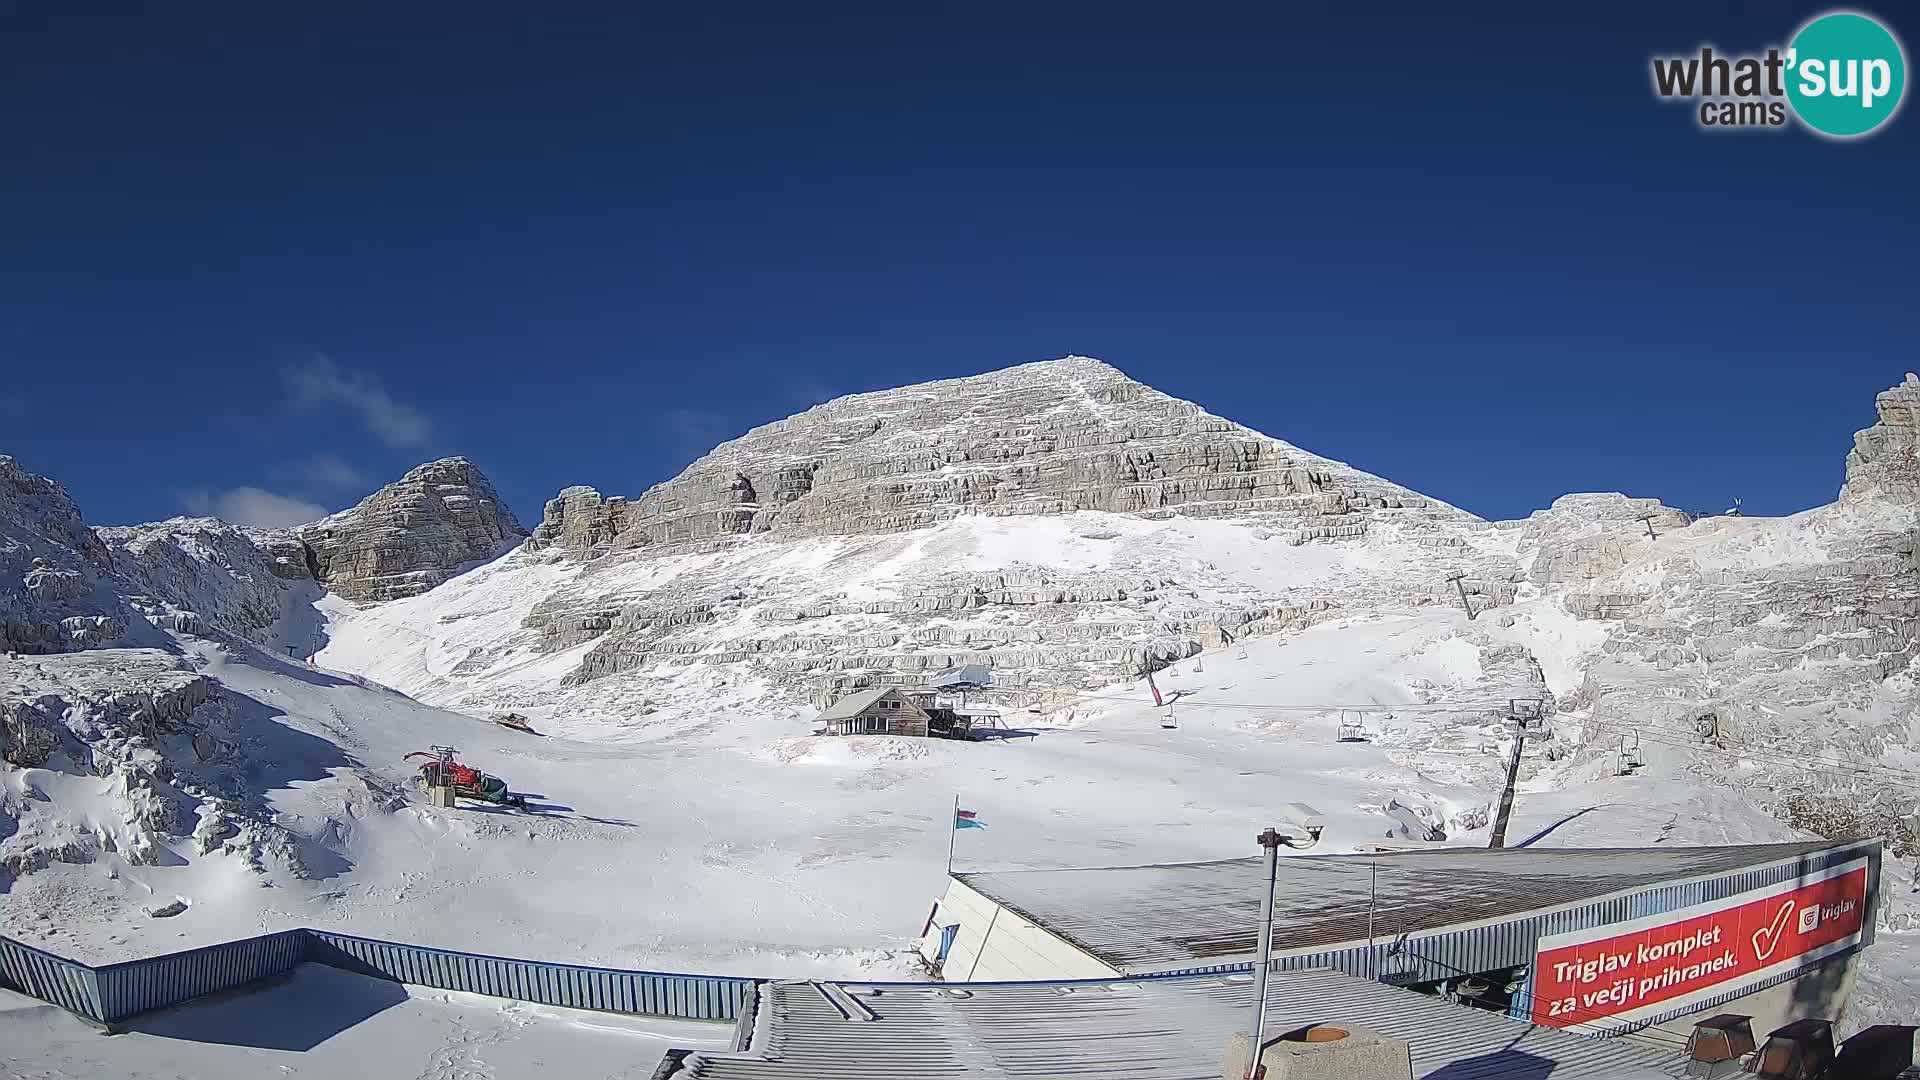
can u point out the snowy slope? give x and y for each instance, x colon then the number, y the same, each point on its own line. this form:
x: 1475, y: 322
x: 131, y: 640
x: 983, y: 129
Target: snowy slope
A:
x: 480, y: 642
x: 635, y: 852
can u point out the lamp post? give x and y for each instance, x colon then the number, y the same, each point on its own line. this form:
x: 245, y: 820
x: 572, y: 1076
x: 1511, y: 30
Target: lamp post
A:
x: 1272, y: 840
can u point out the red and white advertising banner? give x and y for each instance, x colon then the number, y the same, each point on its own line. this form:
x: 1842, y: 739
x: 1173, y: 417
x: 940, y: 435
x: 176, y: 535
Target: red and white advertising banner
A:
x: 1609, y: 976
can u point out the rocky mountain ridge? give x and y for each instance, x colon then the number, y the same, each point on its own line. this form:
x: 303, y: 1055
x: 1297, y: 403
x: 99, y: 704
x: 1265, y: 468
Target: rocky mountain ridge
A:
x: 79, y: 587
x: 1074, y: 569
x: 918, y: 474
x: 1052, y: 437
x: 412, y: 534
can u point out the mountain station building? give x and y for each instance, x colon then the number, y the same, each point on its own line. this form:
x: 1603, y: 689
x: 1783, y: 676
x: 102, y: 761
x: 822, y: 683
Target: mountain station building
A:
x: 882, y: 710
x: 1601, y: 941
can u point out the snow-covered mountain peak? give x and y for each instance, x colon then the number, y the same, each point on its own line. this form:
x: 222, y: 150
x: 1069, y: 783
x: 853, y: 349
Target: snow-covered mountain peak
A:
x: 1054, y: 437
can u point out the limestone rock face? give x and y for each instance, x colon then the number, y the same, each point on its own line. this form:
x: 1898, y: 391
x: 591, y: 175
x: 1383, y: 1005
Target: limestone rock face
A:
x: 1885, y: 460
x: 207, y: 572
x: 1038, y: 439
x: 1589, y: 534
x: 1056, y: 522
x: 411, y: 535
x: 50, y: 563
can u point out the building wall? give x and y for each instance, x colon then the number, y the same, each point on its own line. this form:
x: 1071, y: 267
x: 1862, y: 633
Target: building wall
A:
x: 982, y: 952
x: 902, y: 717
x: 995, y: 944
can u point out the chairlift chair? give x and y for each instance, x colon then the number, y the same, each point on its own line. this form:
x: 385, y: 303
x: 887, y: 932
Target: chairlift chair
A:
x: 1351, y: 729
x: 1168, y: 721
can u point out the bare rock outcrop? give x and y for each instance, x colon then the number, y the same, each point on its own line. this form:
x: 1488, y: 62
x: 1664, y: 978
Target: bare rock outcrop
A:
x: 50, y: 565
x: 205, y: 572
x: 413, y: 534
x: 1587, y: 535
x: 1045, y: 438
x: 910, y: 479
x: 1885, y: 459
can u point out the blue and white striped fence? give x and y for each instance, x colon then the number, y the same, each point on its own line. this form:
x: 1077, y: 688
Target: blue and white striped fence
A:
x: 648, y: 993
x: 154, y: 982
x: 73, y: 986
x: 116, y: 992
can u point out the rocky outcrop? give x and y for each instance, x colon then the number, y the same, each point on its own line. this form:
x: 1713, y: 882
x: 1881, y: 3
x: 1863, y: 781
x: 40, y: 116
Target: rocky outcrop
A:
x: 1586, y: 535
x: 206, y: 573
x: 50, y: 565
x: 411, y: 535
x: 1038, y: 439
x: 1885, y: 460
x: 891, y: 487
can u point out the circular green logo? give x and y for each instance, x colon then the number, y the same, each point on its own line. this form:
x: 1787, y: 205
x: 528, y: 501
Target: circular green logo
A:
x: 1845, y: 74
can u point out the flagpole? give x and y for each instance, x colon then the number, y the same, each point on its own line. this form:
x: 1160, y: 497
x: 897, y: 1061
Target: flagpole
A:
x: 953, y: 826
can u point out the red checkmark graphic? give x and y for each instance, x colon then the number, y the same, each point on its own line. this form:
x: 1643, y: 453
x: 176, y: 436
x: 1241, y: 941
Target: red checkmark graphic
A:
x: 1767, y: 938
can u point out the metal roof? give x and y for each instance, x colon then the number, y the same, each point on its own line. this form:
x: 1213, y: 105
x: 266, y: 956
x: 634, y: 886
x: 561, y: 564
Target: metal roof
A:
x: 1184, y: 915
x: 850, y: 706
x: 964, y: 675
x: 1155, y: 1029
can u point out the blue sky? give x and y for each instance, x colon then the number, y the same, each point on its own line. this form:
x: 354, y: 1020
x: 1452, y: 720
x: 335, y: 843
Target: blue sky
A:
x: 258, y: 260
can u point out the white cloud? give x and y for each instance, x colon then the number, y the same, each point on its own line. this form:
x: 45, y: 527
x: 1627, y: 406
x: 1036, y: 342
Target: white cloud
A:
x: 254, y: 506
x: 319, y: 384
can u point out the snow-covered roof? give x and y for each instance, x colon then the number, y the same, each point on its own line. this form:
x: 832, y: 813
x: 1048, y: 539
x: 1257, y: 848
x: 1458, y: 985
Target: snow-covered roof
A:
x: 964, y: 675
x: 855, y: 703
x: 1161, y: 1029
x: 1176, y: 916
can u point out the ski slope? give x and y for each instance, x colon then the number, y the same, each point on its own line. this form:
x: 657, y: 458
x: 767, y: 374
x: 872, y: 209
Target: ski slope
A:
x: 745, y: 846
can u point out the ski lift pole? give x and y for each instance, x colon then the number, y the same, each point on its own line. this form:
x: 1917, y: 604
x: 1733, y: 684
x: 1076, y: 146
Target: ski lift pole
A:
x: 1271, y: 841
x: 1373, y: 896
x: 1519, y: 715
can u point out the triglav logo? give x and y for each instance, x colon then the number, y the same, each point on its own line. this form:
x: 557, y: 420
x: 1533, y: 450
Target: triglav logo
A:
x: 1843, y: 75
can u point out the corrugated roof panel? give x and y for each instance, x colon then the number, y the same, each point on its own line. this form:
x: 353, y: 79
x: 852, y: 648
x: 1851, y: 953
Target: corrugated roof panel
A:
x: 1148, y: 918
x: 849, y: 707
x: 1163, y: 1029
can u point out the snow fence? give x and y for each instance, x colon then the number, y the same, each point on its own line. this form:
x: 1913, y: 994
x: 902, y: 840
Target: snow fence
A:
x: 117, y: 992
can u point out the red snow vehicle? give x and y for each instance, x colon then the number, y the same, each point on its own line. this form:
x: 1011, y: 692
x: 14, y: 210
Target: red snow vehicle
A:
x: 467, y: 782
